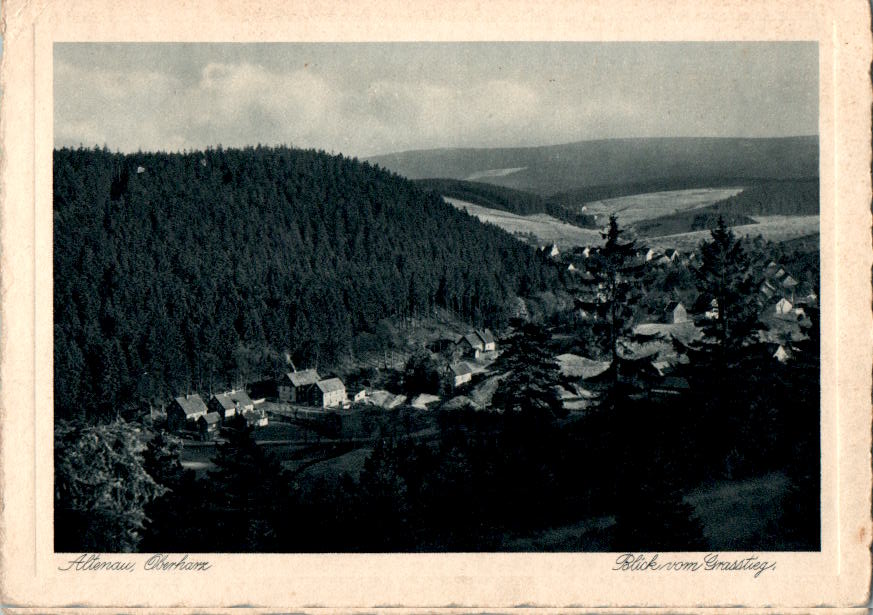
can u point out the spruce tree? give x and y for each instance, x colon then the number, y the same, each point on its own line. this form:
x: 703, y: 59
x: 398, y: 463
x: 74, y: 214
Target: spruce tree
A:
x: 617, y: 278
x: 532, y: 375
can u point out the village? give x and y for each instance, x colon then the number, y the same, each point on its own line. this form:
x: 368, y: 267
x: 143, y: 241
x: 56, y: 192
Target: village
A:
x: 468, y: 372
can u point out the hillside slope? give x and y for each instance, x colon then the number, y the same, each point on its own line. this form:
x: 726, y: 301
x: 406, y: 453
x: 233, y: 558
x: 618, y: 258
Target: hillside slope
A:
x: 173, y: 271
x: 559, y: 168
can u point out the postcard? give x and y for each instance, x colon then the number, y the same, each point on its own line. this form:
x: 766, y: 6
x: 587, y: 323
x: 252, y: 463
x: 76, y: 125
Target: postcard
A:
x: 412, y: 306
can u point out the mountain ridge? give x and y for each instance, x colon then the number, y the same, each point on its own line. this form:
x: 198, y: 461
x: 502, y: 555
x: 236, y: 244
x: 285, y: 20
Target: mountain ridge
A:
x: 552, y: 169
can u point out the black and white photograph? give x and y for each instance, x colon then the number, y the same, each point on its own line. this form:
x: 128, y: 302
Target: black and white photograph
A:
x: 436, y: 297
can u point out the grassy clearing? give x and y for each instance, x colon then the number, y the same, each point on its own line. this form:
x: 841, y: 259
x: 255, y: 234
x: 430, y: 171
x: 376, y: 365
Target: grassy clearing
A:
x: 331, y: 469
x: 638, y: 207
x: 547, y: 229
x: 771, y: 228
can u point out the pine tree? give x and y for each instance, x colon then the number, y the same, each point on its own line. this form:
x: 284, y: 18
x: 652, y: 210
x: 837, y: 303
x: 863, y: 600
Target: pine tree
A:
x: 724, y: 275
x: 248, y: 491
x: 617, y: 277
x: 101, y: 486
x: 532, y: 375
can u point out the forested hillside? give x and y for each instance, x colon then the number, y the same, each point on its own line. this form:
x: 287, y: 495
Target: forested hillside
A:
x: 173, y: 271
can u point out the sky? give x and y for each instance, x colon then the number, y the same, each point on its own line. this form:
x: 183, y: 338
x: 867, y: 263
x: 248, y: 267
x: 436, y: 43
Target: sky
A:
x: 366, y: 99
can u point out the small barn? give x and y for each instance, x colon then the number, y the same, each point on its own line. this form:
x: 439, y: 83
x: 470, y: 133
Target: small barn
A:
x: 460, y: 373
x: 784, y: 307
x: 675, y: 312
x: 184, y: 411
x: 329, y: 393
x: 208, y: 425
x: 297, y: 387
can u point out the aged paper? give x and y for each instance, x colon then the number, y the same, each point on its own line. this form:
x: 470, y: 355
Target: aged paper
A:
x: 34, y: 576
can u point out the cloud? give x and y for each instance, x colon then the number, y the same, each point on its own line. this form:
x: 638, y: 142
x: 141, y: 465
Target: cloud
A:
x: 364, y: 100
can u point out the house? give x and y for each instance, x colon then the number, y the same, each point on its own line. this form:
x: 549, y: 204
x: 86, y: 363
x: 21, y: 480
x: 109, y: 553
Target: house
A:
x: 571, y: 267
x: 784, y: 307
x: 140, y: 170
x: 587, y: 251
x: 231, y: 403
x: 184, y: 411
x: 256, y: 418
x: 782, y: 354
x: 553, y: 251
x: 329, y: 393
x: 471, y: 344
x: 675, y: 312
x: 768, y: 289
x: 672, y: 255
x: 460, y: 373
x: 488, y: 341
x: 360, y: 396
x: 712, y: 312
x: 208, y: 425
x: 789, y: 284
x: 297, y: 387
x: 651, y: 254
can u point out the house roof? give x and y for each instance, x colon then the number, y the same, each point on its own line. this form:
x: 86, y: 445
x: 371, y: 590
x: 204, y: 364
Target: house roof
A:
x: 461, y: 369
x: 486, y: 335
x: 230, y: 399
x: 211, y: 418
x: 673, y: 305
x: 330, y: 385
x: 303, y: 378
x: 224, y: 400
x: 788, y: 282
x: 192, y: 404
x: 472, y: 339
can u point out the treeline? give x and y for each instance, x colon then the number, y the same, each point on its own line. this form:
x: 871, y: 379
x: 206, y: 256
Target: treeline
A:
x: 798, y: 197
x: 505, y: 199
x: 181, y: 271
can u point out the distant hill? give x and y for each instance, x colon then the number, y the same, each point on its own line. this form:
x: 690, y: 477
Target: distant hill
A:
x: 174, y: 271
x: 553, y: 169
x: 502, y: 198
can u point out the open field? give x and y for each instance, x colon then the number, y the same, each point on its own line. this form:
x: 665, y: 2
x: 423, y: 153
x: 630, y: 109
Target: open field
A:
x: 332, y: 468
x: 771, y: 228
x: 494, y: 173
x: 547, y: 229
x: 638, y: 207
x: 550, y: 230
